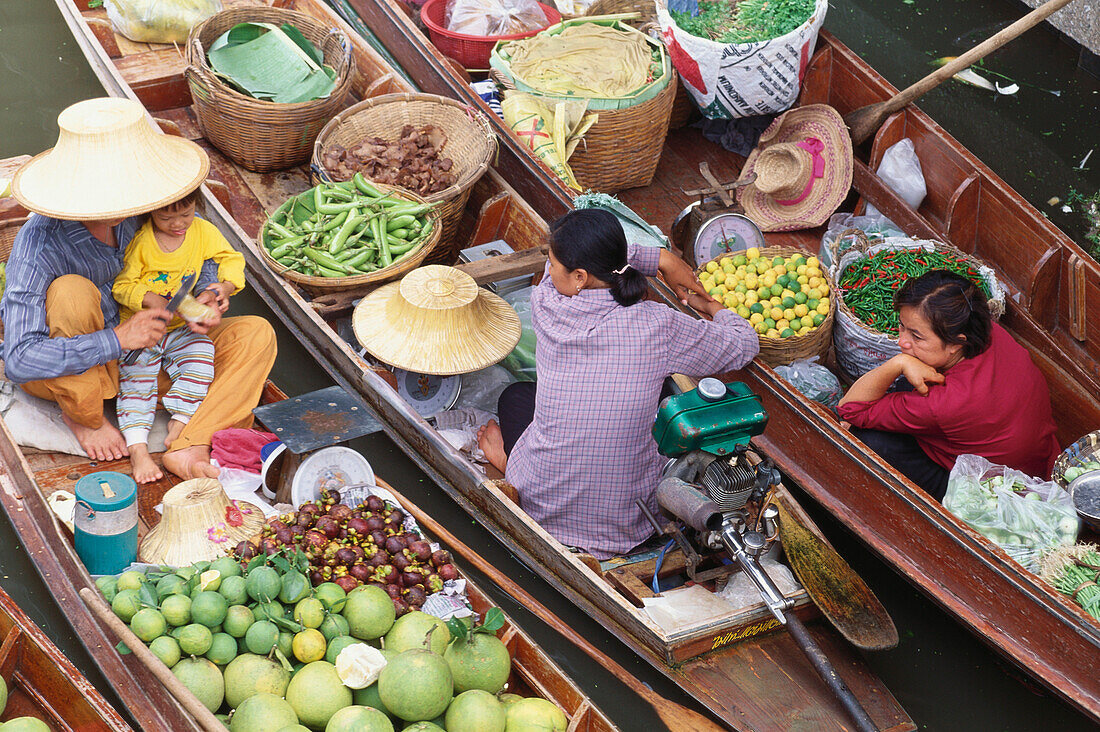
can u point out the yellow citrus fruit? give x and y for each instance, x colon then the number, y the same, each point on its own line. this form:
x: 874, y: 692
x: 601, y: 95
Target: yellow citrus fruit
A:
x: 773, y: 333
x: 752, y: 253
x: 786, y: 333
x: 807, y: 321
x: 309, y: 645
x: 719, y: 277
x: 756, y: 318
x: 811, y: 262
x: 712, y: 267
x: 775, y: 313
x: 800, y: 310
x: 788, y: 314
x: 743, y: 311
x: 823, y: 307
x: 725, y: 262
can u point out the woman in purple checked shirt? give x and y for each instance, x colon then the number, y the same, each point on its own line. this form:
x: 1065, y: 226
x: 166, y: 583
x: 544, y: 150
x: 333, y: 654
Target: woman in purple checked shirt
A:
x: 578, y: 447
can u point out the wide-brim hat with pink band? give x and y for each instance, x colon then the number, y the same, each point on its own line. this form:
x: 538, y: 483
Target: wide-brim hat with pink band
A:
x: 803, y: 167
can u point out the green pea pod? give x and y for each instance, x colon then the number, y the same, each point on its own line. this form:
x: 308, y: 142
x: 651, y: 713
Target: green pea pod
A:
x: 399, y: 233
x: 365, y: 187
x: 337, y: 221
x: 287, y: 262
x: 284, y: 247
x: 385, y: 259
x: 282, y: 231
x: 399, y: 222
x: 361, y: 258
x: 326, y: 272
x: 318, y: 197
x: 398, y: 247
x: 324, y: 259
x: 339, y: 194
x: 335, y: 208
x: 340, y: 240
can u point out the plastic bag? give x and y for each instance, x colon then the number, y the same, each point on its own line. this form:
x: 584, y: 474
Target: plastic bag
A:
x: 813, y: 380
x: 521, y: 361
x: 159, y: 21
x: 494, y: 17
x: 481, y: 389
x: 900, y: 170
x: 1024, y: 516
x: 834, y: 242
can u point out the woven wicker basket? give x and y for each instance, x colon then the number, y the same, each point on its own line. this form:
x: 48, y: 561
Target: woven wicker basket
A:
x: 364, y: 282
x: 1080, y: 452
x: 260, y: 135
x: 782, y: 351
x: 471, y: 145
x: 8, y: 230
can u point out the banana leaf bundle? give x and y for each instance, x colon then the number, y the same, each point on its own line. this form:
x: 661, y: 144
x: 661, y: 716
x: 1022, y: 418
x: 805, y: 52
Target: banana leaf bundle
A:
x: 274, y: 63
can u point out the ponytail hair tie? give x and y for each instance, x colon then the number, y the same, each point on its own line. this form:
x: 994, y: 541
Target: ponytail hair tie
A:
x: 621, y: 270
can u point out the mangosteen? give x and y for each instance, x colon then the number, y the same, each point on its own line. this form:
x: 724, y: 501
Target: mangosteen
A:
x: 441, y: 557
x: 347, y: 583
x: 358, y: 525
x: 305, y: 520
x: 394, y: 545
x: 269, y: 546
x: 401, y: 561
x: 379, y: 558
x: 340, y: 512
x: 310, y: 509
x: 297, y: 532
x: 412, y: 578
x: 332, y: 497
x: 386, y: 573
x: 400, y: 607
x: 378, y: 537
x: 376, y: 583
x: 448, y: 572
x: 328, y: 526
x: 358, y: 551
x: 345, y: 556
x: 374, y: 503
x: 416, y: 596
x: 375, y: 523
x: 315, y: 540
x: 392, y: 525
x: 434, y: 583
x: 394, y: 590
x: 315, y: 577
x: 397, y: 515
x: 276, y: 524
x: 283, y: 535
x: 421, y: 550
x: 361, y: 572
x: 245, y: 550
x: 326, y: 573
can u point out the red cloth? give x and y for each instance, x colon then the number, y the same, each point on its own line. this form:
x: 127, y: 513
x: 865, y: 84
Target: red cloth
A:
x: 239, y: 448
x: 996, y: 405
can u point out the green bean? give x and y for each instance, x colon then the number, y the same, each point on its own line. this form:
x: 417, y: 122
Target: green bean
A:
x: 326, y: 272
x: 401, y: 247
x: 335, y: 208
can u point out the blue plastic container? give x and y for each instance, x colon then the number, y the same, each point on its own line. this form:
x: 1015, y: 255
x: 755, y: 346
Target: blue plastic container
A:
x: 106, y: 522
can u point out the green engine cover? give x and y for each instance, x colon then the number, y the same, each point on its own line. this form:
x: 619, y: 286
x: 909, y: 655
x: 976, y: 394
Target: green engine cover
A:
x: 714, y: 421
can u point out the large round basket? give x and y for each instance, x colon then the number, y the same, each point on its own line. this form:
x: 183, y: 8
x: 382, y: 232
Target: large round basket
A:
x: 782, y: 351
x: 322, y: 285
x: 1084, y: 450
x: 8, y: 230
x: 471, y: 146
x: 260, y: 135
x: 859, y: 347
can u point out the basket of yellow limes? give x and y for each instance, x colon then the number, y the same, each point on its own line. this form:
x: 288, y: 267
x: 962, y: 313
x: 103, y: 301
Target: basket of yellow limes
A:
x: 783, y: 292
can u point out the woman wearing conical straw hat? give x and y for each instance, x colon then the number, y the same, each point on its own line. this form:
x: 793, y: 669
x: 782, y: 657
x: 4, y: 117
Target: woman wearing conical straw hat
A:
x: 88, y: 196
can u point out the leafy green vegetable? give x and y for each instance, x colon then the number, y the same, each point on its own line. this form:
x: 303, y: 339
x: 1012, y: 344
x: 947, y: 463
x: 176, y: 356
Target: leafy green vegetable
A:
x: 270, y: 62
x: 749, y: 21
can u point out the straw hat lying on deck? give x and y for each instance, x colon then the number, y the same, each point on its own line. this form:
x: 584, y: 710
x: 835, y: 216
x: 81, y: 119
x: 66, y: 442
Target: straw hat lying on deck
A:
x: 199, y: 523
x: 436, y: 321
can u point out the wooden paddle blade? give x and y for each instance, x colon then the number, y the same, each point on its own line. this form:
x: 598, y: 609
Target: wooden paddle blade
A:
x: 841, y: 595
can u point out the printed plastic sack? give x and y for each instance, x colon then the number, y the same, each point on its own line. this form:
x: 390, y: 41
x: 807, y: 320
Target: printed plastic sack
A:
x: 900, y: 170
x: 813, y: 380
x: 837, y: 239
x: 729, y: 80
x: 1024, y: 516
x: 494, y: 17
x: 521, y: 361
x: 159, y: 21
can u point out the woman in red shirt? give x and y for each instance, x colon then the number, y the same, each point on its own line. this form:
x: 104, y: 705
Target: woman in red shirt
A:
x: 974, y: 389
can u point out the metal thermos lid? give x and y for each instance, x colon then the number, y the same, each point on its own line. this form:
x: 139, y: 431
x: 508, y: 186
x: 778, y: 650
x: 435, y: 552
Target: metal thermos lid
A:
x: 106, y: 490
x: 711, y: 389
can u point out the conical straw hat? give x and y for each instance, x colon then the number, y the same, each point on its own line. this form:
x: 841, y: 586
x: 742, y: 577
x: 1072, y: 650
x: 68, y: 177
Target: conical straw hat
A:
x: 788, y: 192
x: 109, y: 162
x: 199, y: 522
x: 436, y: 321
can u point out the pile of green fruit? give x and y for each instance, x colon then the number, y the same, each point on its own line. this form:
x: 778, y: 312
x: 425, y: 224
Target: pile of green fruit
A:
x: 19, y: 724
x: 259, y: 644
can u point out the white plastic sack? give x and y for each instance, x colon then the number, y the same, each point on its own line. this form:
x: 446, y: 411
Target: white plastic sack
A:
x: 875, y: 228
x: 900, y: 170
x: 812, y: 380
x: 730, y: 80
x: 159, y: 21
x: 1024, y: 516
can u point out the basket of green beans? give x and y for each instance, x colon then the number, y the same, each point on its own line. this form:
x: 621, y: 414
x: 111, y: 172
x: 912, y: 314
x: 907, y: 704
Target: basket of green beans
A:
x: 342, y: 236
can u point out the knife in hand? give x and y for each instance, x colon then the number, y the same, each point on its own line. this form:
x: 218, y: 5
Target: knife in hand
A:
x: 185, y: 287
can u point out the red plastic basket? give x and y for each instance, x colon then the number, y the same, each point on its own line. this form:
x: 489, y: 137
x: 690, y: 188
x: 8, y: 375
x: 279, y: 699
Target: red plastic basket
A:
x: 471, y: 51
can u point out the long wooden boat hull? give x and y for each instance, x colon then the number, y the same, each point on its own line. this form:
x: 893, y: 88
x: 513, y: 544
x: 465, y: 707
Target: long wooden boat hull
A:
x: 1054, y: 309
x: 757, y: 683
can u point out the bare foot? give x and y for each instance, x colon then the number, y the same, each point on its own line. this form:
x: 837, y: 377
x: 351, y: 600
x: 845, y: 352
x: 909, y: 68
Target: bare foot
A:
x: 175, y: 427
x: 103, y: 443
x: 145, y: 470
x: 491, y: 442
x: 190, y: 462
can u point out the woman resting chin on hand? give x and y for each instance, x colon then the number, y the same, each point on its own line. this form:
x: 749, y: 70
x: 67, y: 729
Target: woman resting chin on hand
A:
x: 974, y: 390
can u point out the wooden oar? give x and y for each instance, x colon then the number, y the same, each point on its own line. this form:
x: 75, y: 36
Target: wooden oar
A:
x: 189, y: 701
x: 864, y: 121
x: 841, y: 594
x: 675, y: 716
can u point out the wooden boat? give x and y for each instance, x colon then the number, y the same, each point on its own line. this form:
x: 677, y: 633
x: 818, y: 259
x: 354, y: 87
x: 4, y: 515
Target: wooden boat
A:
x: 760, y: 682
x: 43, y: 683
x: 1053, y: 309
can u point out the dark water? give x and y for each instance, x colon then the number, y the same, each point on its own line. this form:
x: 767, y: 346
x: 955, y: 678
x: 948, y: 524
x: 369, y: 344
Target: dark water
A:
x: 944, y: 677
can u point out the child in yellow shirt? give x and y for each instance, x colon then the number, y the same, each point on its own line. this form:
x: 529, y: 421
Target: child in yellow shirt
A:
x: 171, y: 245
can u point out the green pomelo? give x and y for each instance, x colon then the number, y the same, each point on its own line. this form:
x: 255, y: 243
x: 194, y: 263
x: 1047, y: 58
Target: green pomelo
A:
x: 107, y: 586
x: 26, y: 724
x: 249, y: 674
x: 535, y: 715
x: 368, y: 697
x: 186, y: 572
x: 294, y: 586
x: 286, y: 643
x: 359, y: 719
x: 209, y: 608
x: 227, y: 567
x: 294, y: 728
x: 233, y: 590
x: 416, y: 684
x: 3, y: 695
x: 166, y: 649
x: 261, y: 637
x: 262, y: 713
x: 310, y: 612
x: 263, y: 584
x: 475, y: 711
x: 203, y: 679
x: 479, y: 662
x: 176, y: 610
x: 223, y: 718
x: 369, y: 612
x: 238, y: 619
x: 331, y: 595
x: 171, y: 584
x: 333, y: 626
x: 269, y: 610
x: 126, y: 604
x: 148, y: 624
x: 316, y: 693
x: 411, y: 631
x: 507, y: 699
x: 195, y: 639
x: 423, y: 727
x: 338, y: 644
x: 210, y: 580
x: 223, y: 649
x: 131, y: 580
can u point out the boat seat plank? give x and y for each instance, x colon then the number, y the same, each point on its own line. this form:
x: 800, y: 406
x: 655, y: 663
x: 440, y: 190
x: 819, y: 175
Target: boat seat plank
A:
x: 632, y: 588
x: 962, y: 214
x: 156, y: 77
x: 105, y: 34
x: 1042, y: 291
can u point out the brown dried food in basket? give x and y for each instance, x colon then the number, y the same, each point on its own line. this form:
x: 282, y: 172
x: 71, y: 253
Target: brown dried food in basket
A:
x: 412, y: 161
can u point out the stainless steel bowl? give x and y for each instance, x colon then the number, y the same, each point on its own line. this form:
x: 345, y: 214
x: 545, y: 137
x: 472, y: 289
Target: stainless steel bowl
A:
x: 1085, y: 493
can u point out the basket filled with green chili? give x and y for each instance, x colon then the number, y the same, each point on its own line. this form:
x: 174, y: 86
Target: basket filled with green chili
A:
x: 349, y: 235
x: 867, y: 277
